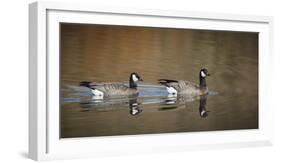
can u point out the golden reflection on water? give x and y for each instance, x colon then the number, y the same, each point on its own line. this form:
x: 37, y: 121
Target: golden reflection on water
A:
x: 110, y: 53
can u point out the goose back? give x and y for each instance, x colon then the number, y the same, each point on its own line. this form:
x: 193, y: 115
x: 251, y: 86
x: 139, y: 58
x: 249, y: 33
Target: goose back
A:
x: 113, y: 88
x: 182, y: 87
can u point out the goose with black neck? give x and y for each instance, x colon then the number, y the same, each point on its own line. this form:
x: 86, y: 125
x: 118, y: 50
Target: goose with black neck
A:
x: 114, y: 89
x: 182, y: 87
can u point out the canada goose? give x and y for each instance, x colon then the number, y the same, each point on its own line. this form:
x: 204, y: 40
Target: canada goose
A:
x: 175, y: 87
x: 112, y: 89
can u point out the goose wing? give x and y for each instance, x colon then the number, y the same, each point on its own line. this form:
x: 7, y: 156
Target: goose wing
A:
x: 110, y: 88
x: 179, y: 85
x: 188, y: 85
x: 170, y: 83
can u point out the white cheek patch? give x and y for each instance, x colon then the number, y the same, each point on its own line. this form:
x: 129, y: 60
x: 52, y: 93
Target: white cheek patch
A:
x: 135, y: 79
x: 172, y: 90
x: 97, y: 92
x: 203, y: 74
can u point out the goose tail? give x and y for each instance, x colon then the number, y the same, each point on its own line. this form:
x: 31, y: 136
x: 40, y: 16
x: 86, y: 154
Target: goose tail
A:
x: 85, y: 83
x: 166, y: 81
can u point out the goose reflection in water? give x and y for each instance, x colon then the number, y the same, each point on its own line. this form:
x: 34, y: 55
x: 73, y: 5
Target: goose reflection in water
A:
x: 134, y: 107
x: 203, y: 112
x: 174, y: 102
x: 112, y: 104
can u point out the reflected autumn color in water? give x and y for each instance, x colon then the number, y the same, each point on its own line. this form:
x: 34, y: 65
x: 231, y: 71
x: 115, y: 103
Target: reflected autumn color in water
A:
x: 104, y: 53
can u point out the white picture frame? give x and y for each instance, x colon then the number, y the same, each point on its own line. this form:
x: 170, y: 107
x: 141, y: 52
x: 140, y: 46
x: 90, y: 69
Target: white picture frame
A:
x: 44, y: 139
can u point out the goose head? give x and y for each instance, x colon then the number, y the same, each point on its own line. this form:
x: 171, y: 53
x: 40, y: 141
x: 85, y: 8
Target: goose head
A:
x: 135, y: 77
x: 204, y: 73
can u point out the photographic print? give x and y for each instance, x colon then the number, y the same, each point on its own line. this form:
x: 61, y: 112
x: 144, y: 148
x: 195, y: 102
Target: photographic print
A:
x: 131, y: 80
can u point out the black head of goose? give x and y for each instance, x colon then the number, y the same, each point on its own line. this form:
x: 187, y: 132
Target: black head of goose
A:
x: 202, y: 79
x: 175, y: 87
x: 112, y: 89
x: 134, y: 78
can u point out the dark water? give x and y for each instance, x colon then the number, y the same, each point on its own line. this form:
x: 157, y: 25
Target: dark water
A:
x: 110, y: 53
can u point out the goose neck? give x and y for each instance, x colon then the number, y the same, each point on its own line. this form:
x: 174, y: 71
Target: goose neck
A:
x: 132, y: 84
x: 203, y: 84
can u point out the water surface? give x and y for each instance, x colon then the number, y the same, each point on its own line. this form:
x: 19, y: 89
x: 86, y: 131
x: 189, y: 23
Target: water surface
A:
x: 103, y: 53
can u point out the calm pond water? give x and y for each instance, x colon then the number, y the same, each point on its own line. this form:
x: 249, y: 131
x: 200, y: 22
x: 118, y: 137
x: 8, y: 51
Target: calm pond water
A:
x: 103, y: 53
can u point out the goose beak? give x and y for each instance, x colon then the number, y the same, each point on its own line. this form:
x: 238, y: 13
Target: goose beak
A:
x: 140, y: 79
x: 208, y: 74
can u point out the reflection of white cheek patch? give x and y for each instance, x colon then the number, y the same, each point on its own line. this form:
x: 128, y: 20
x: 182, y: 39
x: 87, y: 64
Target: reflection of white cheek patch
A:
x: 172, y: 90
x: 135, y: 104
x: 203, y: 112
x: 97, y: 92
x: 135, y: 78
x: 134, y: 111
x: 203, y: 74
